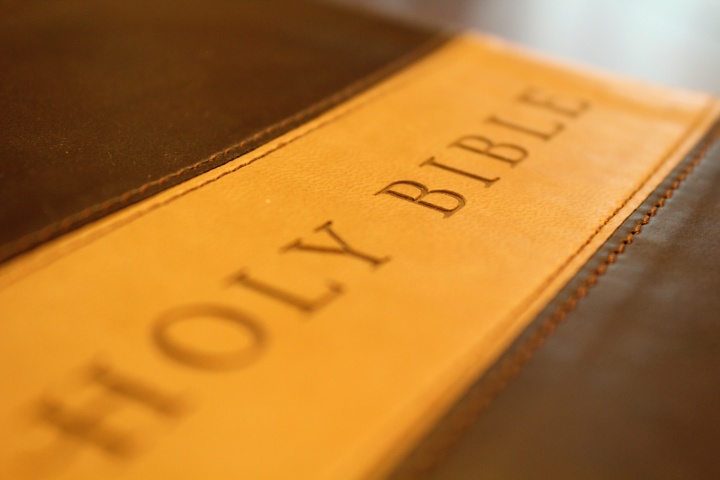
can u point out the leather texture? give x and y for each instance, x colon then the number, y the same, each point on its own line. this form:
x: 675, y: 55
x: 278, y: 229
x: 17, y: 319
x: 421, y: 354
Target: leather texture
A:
x: 625, y: 388
x: 334, y: 251
x: 106, y: 103
x: 624, y: 383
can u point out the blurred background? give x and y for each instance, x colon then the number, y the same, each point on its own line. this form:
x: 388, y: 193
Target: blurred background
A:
x: 543, y: 426
x: 671, y: 42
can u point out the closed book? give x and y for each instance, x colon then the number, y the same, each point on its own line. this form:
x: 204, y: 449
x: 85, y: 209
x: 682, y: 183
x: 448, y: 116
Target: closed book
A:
x: 289, y: 239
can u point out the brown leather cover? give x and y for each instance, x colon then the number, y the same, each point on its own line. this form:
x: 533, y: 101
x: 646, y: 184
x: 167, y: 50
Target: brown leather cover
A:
x: 627, y: 385
x: 106, y: 103
x: 625, y: 388
x: 236, y: 306
x: 618, y: 376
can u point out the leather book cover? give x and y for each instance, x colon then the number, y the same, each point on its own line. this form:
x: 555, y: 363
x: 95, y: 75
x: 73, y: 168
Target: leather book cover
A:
x: 289, y: 239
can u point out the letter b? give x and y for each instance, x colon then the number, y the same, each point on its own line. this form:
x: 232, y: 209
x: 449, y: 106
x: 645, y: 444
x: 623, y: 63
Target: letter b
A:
x: 420, y: 194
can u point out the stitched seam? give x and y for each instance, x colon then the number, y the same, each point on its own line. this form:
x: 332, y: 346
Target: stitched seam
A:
x: 124, y: 221
x: 79, y: 218
x: 510, y: 368
x: 548, y: 281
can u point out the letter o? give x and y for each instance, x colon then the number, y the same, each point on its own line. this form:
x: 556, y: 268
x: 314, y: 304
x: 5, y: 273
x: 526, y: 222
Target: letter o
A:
x: 191, y: 356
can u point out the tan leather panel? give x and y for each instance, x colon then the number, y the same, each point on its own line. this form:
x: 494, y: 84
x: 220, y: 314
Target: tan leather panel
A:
x: 310, y: 308
x: 107, y: 103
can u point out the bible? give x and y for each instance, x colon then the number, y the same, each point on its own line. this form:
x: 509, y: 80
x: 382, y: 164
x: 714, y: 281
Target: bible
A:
x: 281, y: 239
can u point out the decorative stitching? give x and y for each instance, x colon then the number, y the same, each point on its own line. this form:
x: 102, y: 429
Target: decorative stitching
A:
x: 481, y: 397
x: 75, y: 220
x: 511, y: 367
x: 341, y: 114
x: 532, y: 297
